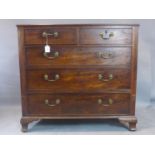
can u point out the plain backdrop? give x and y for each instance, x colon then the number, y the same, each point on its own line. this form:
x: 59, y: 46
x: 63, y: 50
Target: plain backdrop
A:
x: 9, y: 63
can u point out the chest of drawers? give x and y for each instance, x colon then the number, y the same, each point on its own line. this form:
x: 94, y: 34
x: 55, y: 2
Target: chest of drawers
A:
x: 89, y: 72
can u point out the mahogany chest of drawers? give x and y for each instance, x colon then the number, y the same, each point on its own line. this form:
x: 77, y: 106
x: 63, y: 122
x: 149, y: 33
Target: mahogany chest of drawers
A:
x: 78, y: 72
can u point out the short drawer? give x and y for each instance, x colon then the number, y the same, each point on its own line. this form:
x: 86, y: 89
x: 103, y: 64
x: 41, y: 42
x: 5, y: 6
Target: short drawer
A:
x: 111, y: 56
x: 105, y: 36
x: 79, y: 104
x: 55, y: 36
x: 78, y: 80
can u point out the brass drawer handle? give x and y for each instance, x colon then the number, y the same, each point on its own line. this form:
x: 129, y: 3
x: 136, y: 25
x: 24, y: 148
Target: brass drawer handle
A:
x: 57, y: 77
x: 106, y: 35
x: 101, y: 77
x: 48, y: 55
x: 104, y: 55
x: 57, y: 101
x: 54, y: 34
x: 105, y: 103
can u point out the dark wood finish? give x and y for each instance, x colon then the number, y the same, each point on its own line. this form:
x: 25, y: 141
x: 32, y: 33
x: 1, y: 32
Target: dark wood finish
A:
x: 72, y: 80
x: 110, y: 56
x: 79, y: 104
x: 79, y: 25
x: 22, y: 60
x: 65, y: 36
x: 84, y: 53
x: 134, y: 69
x: 92, y: 36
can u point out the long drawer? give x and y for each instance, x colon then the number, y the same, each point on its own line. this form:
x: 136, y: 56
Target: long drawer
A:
x: 78, y: 104
x: 112, y: 56
x: 78, y: 80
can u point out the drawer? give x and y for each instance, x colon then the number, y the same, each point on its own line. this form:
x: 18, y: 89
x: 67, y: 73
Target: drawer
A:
x: 78, y: 80
x: 79, y: 104
x: 105, y: 36
x: 55, y: 36
x: 114, y: 56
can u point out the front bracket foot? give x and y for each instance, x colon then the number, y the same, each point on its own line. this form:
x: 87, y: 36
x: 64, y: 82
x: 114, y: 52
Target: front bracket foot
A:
x: 25, y: 122
x: 131, y: 120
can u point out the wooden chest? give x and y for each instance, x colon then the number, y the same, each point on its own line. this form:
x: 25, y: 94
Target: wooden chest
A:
x: 89, y: 72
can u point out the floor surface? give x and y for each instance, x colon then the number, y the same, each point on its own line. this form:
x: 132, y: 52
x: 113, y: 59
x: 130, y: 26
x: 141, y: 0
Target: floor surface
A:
x: 10, y: 117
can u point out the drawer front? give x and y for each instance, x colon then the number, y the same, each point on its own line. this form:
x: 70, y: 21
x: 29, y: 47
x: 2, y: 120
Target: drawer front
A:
x: 61, y: 80
x: 55, y: 36
x: 57, y: 105
x: 105, y: 36
x: 116, y: 56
